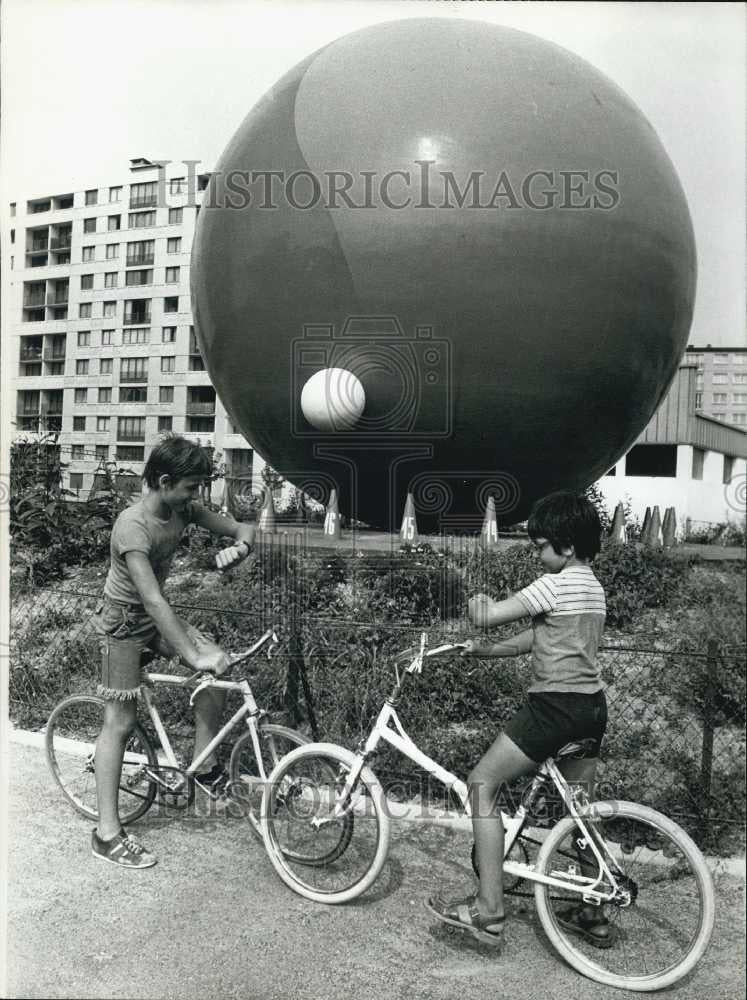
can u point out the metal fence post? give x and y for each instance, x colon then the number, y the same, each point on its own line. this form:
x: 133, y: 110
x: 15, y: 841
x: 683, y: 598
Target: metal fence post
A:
x: 706, y: 755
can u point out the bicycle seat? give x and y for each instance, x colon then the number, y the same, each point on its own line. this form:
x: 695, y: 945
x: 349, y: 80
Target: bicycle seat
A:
x: 578, y: 748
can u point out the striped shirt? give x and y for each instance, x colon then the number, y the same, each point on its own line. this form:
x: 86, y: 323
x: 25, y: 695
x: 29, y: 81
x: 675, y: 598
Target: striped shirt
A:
x: 568, y: 611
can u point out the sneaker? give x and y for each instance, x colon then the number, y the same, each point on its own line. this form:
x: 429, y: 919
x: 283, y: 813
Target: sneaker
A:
x: 123, y: 849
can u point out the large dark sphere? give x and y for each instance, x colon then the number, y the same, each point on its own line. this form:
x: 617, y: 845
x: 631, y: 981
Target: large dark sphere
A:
x: 514, y: 329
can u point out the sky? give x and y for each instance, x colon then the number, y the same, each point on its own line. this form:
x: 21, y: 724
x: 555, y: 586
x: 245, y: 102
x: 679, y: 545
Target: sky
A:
x: 88, y: 85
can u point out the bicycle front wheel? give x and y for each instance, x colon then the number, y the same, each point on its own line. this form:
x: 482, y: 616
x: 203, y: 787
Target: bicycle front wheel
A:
x: 659, y: 925
x: 324, y: 847
x: 72, y: 731
x: 247, y: 782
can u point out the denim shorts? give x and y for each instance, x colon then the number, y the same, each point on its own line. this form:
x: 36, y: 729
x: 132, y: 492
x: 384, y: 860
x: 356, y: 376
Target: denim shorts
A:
x: 550, y: 719
x: 128, y: 640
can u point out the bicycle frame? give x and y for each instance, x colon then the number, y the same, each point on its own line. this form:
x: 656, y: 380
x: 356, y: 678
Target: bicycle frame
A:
x: 389, y: 728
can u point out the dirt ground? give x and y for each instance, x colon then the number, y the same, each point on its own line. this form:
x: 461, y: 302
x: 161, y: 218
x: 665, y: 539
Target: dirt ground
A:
x: 212, y: 920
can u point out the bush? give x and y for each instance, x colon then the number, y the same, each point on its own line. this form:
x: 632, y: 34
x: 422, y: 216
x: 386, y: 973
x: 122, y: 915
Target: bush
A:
x: 636, y: 577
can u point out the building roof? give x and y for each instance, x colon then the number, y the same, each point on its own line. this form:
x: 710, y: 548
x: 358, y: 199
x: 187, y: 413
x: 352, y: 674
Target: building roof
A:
x: 716, y: 350
x: 677, y: 422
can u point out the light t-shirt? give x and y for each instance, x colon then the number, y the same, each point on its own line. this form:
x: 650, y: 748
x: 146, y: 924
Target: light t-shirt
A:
x: 568, y: 610
x: 137, y: 530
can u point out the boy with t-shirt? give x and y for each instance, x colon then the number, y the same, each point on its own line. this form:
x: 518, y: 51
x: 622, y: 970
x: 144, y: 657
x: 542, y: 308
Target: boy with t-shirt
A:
x: 565, y: 701
x: 135, y: 620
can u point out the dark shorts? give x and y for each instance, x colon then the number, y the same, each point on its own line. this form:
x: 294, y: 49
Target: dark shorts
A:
x: 549, y: 720
x: 128, y: 639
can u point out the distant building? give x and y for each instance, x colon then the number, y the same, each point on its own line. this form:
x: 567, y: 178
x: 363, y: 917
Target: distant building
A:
x: 721, y: 382
x: 683, y: 459
x: 102, y: 326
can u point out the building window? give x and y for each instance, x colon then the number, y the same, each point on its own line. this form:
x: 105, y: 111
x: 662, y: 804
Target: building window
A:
x: 105, y: 394
x: 141, y: 220
x: 84, y: 338
x: 698, y: 460
x: 165, y: 424
x: 652, y: 460
x: 114, y: 223
x: 107, y: 337
x: 174, y: 244
x: 728, y: 468
x: 200, y: 425
x: 77, y: 452
x: 196, y: 364
x: 137, y: 312
x: 105, y: 366
x: 739, y: 378
x: 172, y: 275
x: 109, y: 310
x: 698, y: 400
x: 102, y: 423
x: 92, y: 197
x: 131, y: 429
x: 79, y: 423
x: 740, y: 398
x: 136, y: 335
x: 102, y: 452
x: 133, y: 370
x: 112, y: 251
x: 89, y: 225
x: 738, y: 359
x: 144, y: 195
x: 721, y: 359
x: 81, y: 396
x: 178, y: 185
x: 166, y: 394
x: 55, y: 368
x: 144, y: 277
x: 133, y: 394
x: 719, y: 398
x: 171, y: 304
x: 84, y: 310
x: 739, y: 418
x: 699, y: 380
x: 175, y: 216
x: 168, y: 364
x: 110, y: 279
x: 86, y: 282
x: 130, y: 453
x: 720, y: 379
x: 140, y: 252
x: 76, y: 481
x: 81, y: 366
x: 88, y: 254
x: 115, y: 194
x: 168, y: 334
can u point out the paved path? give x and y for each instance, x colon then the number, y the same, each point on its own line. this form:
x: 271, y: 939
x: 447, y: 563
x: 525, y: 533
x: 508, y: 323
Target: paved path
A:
x: 211, y: 920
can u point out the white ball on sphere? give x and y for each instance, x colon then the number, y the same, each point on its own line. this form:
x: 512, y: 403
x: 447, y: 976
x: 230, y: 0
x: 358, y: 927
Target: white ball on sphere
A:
x: 333, y: 399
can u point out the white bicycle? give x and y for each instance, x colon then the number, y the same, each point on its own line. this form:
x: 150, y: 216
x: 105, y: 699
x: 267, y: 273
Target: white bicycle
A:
x: 326, y: 824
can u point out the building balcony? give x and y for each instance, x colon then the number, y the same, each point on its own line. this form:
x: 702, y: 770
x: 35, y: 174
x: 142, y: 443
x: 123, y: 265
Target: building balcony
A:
x: 140, y: 260
x: 138, y: 436
x: 38, y: 246
x: 57, y: 298
x: 60, y: 242
x: 31, y: 355
x: 29, y: 414
x: 138, y: 320
x: 200, y: 409
x: 144, y: 201
x: 141, y: 377
x: 53, y: 354
x: 34, y: 302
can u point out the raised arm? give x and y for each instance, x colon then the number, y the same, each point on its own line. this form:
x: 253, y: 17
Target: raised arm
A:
x: 219, y: 524
x: 487, y: 613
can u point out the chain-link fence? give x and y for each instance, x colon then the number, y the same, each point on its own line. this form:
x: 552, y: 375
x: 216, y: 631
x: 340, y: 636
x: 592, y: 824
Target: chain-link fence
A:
x: 675, y: 738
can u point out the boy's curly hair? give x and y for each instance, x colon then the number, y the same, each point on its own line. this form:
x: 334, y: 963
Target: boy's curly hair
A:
x: 178, y: 458
x: 567, y: 519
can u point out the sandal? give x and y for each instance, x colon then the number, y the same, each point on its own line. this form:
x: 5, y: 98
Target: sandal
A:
x: 465, y: 914
x: 588, y: 923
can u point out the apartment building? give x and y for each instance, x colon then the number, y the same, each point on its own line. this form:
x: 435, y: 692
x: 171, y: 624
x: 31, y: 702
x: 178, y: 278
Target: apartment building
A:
x: 721, y: 382
x: 104, y: 342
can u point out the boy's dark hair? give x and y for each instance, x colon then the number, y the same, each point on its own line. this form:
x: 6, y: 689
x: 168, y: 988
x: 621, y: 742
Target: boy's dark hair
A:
x: 178, y: 458
x: 566, y: 519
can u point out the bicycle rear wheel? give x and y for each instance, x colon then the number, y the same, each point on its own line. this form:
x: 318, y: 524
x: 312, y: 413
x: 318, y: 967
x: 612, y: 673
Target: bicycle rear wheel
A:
x: 72, y: 731
x: 325, y: 858
x: 247, y: 785
x: 660, y: 926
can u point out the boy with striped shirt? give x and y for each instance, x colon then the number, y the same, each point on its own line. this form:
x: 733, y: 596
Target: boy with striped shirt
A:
x: 565, y: 700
